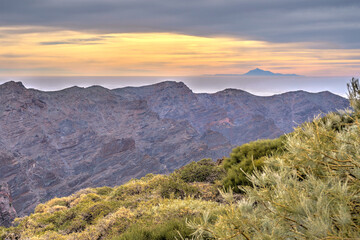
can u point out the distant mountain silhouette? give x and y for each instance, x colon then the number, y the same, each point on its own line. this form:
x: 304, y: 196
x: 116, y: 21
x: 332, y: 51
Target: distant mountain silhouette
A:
x: 260, y: 72
x: 257, y: 72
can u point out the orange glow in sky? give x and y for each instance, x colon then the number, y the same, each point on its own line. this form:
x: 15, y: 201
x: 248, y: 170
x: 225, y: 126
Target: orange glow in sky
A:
x: 44, y: 52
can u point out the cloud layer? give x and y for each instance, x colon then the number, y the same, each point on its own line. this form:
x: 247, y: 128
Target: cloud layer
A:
x: 335, y: 22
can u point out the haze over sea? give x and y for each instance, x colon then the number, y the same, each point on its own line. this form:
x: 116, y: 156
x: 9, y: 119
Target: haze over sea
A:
x: 258, y: 85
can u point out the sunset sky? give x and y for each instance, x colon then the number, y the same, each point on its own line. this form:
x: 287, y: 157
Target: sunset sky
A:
x: 178, y: 38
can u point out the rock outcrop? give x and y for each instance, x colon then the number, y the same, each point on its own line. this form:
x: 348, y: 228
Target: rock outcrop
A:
x: 55, y: 143
x: 7, y: 211
x: 238, y: 115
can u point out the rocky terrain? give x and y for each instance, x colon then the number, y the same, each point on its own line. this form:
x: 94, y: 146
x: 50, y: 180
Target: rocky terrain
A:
x: 55, y: 143
x: 7, y: 211
x: 234, y: 115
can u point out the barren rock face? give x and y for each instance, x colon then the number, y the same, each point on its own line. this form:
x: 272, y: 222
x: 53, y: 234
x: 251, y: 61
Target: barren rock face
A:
x: 7, y: 211
x: 55, y: 143
x: 237, y: 115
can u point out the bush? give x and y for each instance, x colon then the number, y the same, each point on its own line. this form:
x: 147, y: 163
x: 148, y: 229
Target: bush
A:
x: 246, y: 158
x: 162, y: 231
x: 105, y: 191
x: 173, y: 186
x: 354, y: 94
x: 203, y: 171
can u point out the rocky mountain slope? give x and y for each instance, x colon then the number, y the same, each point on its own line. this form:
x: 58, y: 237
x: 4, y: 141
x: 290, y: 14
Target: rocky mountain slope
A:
x: 7, y: 211
x: 55, y: 143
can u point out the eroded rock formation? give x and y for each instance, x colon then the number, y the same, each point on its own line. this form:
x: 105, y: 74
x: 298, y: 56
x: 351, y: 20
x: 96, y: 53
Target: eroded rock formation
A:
x: 7, y: 211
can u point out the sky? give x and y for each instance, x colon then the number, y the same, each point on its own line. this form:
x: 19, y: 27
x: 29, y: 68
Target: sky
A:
x: 178, y: 38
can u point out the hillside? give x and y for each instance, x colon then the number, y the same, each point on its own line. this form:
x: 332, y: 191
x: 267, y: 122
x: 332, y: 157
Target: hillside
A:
x: 56, y: 143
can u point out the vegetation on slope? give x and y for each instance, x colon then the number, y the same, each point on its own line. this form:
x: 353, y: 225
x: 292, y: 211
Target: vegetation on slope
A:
x: 153, y: 207
x: 311, y: 191
x: 246, y: 158
x: 204, y: 170
x: 305, y: 185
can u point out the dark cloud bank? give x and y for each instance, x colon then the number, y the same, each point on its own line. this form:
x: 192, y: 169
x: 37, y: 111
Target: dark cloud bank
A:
x: 336, y: 22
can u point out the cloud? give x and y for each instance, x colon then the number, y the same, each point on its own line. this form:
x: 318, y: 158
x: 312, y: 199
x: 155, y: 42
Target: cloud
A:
x: 54, y: 43
x: 13, y: 55
x: 45, y: 69
x: 81, y: 41
x: 164, y: 54
x: 333, y: 21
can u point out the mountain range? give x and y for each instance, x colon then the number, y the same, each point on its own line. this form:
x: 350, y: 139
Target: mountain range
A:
x: 55, y: 143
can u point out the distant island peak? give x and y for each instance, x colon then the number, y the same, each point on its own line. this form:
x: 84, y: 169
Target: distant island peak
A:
x: 259, y: 72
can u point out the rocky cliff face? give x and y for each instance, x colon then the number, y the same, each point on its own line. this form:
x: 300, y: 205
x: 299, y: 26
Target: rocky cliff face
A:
x: 7, y: 211
x: 237, y: 115
x: 55, y: 143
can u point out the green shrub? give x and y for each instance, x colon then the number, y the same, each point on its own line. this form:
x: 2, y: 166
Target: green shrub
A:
x: 204, y: 170
x: 173, y: 186
x: 168, y: 230
x: 246, y: 158
x: 354, y: 94
x: 104, y: 191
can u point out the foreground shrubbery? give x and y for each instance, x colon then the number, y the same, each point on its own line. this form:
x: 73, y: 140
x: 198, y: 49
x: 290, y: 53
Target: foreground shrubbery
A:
x: 154, y: 207
x: 311, y: 191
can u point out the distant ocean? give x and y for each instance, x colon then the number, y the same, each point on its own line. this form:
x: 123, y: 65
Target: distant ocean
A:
x: 263, y: 86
